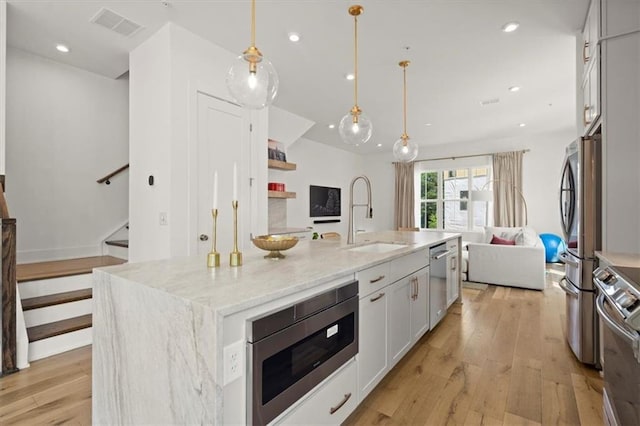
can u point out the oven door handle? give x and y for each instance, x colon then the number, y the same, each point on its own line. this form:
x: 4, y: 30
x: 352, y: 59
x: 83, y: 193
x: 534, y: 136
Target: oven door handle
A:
x: 565, y: 258
x: 570, y: 291
x: 613, y: 324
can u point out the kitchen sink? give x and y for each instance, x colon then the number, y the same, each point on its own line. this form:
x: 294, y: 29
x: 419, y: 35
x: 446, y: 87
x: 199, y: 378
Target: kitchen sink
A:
x: 378, y: 247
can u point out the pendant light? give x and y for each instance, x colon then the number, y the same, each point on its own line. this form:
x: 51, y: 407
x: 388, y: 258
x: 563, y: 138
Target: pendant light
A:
x: 405, y: 150
x: 355, y: 127
x: 252, y: 80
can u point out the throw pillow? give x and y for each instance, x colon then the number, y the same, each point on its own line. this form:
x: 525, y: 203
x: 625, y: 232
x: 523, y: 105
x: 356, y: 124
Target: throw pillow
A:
x: 502, y: 241
x: 508, y: 233
x: 526, y: 237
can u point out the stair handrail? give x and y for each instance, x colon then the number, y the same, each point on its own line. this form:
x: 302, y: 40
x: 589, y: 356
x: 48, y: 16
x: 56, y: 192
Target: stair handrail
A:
x: 8, y: 288
x: 106, y: 179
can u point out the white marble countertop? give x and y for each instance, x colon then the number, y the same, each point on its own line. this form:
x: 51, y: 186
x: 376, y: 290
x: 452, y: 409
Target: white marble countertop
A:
x: 227, y: 289
x: 620, y: 259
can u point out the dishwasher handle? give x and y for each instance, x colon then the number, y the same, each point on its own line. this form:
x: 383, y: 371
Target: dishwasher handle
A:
x: 440, y: 255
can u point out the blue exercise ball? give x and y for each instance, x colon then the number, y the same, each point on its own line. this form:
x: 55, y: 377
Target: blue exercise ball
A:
x: 553, y: 246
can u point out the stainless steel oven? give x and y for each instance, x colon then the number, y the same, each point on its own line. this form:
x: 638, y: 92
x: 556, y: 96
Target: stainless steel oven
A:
x: 294, y: 349
x: 618, y: 307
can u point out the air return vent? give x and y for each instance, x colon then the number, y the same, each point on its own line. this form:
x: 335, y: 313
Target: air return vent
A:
x: 109, y: 19
x: 489, y: 101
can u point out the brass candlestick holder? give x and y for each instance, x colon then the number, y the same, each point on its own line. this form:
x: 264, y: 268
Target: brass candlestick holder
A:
x: 213, y: 258
x: 235, y: 258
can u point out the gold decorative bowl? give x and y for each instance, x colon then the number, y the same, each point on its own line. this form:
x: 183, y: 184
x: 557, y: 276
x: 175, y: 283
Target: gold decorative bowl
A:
x: 274, y: 244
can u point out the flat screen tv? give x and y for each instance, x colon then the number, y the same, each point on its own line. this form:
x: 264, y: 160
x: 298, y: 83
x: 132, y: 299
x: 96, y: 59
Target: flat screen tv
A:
x: 324, y: 201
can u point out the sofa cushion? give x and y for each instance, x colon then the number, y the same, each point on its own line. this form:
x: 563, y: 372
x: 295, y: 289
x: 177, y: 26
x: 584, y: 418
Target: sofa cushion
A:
x: 502, y: 241
x: 507, y: 233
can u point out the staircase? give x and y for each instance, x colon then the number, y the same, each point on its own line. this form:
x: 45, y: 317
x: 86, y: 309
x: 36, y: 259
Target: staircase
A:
x: 57, y: 305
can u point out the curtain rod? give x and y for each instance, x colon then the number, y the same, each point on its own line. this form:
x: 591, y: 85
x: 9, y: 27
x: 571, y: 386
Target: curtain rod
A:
x: 453, y: 157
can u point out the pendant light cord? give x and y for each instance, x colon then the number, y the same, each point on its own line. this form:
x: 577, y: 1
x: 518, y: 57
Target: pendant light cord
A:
x: 253, y: 23
x: 355, y: 73
x: 404, y: 95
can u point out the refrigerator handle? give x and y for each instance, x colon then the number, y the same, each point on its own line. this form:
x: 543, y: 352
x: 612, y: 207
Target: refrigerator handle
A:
x: 563, y: 256
x: 570, y: 291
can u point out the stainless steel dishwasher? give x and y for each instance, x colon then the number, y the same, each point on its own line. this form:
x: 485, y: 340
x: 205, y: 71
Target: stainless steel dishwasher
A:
x: 438, y: 256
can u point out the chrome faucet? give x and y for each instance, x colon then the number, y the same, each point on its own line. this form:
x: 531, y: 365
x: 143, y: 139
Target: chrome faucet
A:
x: 351, y: 238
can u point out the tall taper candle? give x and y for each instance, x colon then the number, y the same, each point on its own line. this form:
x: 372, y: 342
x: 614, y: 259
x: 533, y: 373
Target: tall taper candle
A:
x: 235, y: 181
x: 215, y: 190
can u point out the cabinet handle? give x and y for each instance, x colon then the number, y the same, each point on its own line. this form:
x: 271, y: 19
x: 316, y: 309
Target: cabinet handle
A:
x: 454, y: 263
x: 375, y: 280
x: 340, y: 404
x: 587, y: 108
x: 378, y: 297
x: 585, y: 57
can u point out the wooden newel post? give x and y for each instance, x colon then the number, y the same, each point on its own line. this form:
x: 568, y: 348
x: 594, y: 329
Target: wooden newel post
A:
x: 9, y: 364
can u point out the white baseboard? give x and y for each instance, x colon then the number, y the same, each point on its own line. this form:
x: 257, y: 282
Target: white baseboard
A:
x: 45, y: 255
x: 58, y: 344
x: 55, y: 313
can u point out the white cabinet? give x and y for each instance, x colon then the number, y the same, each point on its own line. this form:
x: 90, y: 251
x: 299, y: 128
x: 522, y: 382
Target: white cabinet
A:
x: 420, y: 304
x: 330, y: 404
x: 591, y: 94
x: 590, y: 105
x: 591, y: 33
x: 453, y: 272
x: 400, y: 294
x: 372, y: 353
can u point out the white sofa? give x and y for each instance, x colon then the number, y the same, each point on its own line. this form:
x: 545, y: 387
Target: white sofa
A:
x: 522, y: 265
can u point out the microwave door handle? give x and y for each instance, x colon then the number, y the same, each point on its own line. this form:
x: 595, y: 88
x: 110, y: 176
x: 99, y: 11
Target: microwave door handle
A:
x: 570, y: 291
x: 613, y: 324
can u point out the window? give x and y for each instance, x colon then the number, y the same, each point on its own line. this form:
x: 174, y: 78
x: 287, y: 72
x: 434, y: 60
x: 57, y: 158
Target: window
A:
x: 444, y: 198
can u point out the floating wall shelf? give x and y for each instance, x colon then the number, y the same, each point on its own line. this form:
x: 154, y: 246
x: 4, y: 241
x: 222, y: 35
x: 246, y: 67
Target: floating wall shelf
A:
x: 281, y: 165
x: 281, y: 194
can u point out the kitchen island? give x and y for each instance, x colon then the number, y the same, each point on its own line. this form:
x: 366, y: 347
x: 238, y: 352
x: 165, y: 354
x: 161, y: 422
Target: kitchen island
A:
x: 161, y: 328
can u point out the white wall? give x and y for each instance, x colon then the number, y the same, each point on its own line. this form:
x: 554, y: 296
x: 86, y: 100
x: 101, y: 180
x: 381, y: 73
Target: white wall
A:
x: 541, y: 175
x: 3, y: 87
x: 66, y: 127
x: 319, y: 164
x: 167, y: 72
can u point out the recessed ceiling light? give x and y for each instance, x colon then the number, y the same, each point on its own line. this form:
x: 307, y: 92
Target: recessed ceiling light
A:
x: 514, y: 88
x: 350, y: 76
x: 510, y: 27
x: 427, y: 124
x: 332, y: 126
x: 379, y: 145
x: 294, y: 37
x: 62, y: 48
x: 522, y: 124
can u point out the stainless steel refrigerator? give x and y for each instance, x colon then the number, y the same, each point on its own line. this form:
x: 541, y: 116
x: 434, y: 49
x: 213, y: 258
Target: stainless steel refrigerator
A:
x: 580, y: 209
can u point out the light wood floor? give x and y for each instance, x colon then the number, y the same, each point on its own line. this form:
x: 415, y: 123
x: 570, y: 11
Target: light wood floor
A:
x: 501, y: 358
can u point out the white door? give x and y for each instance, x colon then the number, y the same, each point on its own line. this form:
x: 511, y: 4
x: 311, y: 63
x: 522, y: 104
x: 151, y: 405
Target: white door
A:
x: 372, y: 356
x: 223, y: 139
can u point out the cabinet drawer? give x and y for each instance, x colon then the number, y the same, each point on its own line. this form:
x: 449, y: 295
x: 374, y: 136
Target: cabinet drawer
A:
x: 373, y: 279
x: 331, y: 403
x: 452, y: 244
x: 408, y: 264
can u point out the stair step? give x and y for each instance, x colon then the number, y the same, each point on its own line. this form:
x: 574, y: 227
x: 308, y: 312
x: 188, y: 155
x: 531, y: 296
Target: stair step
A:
x: 118, y: 243
x: 57, y: 328
x: 56, y: 299
x: 63, y: 268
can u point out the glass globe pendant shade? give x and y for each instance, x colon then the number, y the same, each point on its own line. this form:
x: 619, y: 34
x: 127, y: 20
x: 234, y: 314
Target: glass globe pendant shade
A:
x: 405, y: 150
x: 355, y: 133
x: 252, y: 89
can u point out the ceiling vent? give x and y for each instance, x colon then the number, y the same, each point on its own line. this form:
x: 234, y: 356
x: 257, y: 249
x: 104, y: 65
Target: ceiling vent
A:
x: 114, y: 22
x: 489, y: 101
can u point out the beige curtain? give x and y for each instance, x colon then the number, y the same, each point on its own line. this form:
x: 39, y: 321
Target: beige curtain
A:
x: 507, y: 189
x: 404, y: 215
